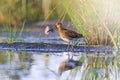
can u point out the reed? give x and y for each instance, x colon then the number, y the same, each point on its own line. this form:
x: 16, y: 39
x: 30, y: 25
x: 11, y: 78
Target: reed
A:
x: 95, y: 21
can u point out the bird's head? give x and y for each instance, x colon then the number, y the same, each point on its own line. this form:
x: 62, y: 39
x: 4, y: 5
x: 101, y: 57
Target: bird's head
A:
x: 58, y: 25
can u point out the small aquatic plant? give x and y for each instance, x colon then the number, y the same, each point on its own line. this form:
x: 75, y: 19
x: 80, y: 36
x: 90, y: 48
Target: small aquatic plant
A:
x: 11, y: 32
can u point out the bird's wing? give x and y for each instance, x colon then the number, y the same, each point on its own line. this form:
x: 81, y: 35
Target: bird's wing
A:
x: 73, y: 34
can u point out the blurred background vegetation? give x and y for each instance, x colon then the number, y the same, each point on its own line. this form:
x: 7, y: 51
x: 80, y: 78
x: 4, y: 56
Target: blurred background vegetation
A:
x: 17, y: 11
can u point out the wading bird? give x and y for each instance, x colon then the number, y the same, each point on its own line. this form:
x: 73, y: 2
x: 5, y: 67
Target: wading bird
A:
x: 68, y: 35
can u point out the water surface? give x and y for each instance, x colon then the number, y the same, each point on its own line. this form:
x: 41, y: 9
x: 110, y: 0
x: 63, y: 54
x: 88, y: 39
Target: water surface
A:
x: 36, y: 65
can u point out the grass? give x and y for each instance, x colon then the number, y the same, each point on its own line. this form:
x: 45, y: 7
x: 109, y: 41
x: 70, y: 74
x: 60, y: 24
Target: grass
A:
x: 85, y: 17
x: 12, y: 31
x: 94, y: 25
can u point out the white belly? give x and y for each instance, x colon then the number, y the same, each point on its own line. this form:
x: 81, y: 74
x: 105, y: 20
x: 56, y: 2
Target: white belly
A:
x: 65, y: 39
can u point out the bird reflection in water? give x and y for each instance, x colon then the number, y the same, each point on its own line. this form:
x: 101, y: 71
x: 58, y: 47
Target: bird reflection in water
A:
x: 68, y: 64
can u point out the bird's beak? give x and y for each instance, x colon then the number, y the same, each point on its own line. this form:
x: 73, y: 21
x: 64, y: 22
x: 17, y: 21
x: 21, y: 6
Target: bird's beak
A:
x: 47, y: 30
x: 51, y: 30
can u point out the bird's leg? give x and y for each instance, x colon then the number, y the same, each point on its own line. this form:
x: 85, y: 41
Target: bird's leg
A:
x: 72, y: 48
x: 68, y: 50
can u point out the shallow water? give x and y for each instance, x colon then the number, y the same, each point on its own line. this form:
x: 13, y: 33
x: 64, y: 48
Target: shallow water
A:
x: 40, y: 66
x: 36, y: 65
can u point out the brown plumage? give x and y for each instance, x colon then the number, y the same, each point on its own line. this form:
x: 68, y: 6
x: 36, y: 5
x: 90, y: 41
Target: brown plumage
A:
x: 67, y: 35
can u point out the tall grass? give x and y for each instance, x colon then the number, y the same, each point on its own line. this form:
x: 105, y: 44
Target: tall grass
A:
x: 97, y: 20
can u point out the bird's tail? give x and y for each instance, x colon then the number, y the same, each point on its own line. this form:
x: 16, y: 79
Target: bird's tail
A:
x: 82, y: 41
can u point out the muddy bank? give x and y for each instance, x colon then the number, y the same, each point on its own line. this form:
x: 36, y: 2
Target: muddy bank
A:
x: 48, y: 47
